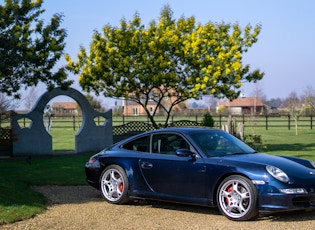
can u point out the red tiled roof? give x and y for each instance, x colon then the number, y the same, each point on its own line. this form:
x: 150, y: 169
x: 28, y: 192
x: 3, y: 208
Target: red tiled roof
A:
x: 242, y: 102
x: 65, y: 105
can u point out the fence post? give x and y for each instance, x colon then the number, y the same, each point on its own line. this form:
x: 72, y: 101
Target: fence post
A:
x: 266, y: 122
x: 311, y: 121
x: 289, y: 125
x: 220, y: 121
x: 73, y: 121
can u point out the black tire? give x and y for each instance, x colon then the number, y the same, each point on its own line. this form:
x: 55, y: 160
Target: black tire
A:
x: 114, y: 185
x: 237, y: 198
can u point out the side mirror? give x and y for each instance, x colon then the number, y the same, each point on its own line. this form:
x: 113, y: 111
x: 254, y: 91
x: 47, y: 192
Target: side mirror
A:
x: 185, y: 153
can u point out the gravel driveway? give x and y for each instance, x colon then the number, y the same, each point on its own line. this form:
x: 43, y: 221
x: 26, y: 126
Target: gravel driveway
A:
x: 81, y: 207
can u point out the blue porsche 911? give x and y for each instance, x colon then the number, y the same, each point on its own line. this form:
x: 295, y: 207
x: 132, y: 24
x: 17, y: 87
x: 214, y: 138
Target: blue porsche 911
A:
x: 202, y: 166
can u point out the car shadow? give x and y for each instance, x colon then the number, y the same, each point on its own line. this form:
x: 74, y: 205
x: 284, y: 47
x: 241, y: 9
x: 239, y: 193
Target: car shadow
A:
x: 85, y: 194
x: 291, y: 216
x: 177, y: 207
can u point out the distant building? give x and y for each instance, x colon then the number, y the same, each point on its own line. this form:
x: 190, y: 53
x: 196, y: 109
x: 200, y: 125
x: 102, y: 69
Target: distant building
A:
x: 65, y: 108
x: 243, y: 105
x: 131, y: 108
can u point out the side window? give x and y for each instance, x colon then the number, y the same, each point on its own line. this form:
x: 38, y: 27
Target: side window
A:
x: 168, y: 143
x: 141, y: 144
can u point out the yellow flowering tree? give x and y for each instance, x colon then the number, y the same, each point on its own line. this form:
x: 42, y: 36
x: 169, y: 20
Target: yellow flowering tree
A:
x: 178, y: 59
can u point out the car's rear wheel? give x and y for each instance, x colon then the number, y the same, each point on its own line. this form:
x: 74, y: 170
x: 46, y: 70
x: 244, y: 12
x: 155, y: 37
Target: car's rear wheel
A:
x: 237, y: 198
x: 114, y: 185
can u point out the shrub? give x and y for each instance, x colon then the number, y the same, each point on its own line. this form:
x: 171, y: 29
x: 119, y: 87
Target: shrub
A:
x: 208, y: 120
x: 254, y: 141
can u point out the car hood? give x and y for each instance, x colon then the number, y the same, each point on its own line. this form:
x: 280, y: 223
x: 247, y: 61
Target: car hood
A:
x: 289, y: 166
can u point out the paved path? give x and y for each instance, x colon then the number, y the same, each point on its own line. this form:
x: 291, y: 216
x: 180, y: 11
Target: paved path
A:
x: 81, y: 207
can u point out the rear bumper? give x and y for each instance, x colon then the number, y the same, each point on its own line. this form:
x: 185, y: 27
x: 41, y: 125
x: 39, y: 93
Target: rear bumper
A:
x: 92, y: 175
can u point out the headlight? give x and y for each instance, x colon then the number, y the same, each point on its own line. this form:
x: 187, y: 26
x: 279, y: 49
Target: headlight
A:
x: 313, y: 164
x: 277, y: 173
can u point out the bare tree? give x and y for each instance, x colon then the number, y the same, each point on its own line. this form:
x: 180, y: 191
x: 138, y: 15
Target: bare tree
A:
x: 295, y: 108
x: 308, y: 99
x: 95, y: 102
x: 259, y: 92
x: 31, y: 99
x: 211, y: 102
x: 6, y: 103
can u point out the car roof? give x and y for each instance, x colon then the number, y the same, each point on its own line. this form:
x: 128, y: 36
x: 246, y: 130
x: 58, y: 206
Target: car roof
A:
x: 183, y: 129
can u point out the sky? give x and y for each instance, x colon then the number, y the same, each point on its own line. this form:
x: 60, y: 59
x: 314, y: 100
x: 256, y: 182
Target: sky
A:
x: 284, y: 51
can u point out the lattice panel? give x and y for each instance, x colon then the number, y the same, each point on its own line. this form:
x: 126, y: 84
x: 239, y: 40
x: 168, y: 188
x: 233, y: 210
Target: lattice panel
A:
x: 132, y: 127
x: 5, y: 134
x: 184, y: 123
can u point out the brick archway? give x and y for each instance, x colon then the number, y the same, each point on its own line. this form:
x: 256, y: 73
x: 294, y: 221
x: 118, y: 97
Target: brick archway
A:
x: 35, y: 140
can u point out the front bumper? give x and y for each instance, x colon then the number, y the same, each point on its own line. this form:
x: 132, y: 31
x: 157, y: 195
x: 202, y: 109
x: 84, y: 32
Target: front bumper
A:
x: 279, y: 202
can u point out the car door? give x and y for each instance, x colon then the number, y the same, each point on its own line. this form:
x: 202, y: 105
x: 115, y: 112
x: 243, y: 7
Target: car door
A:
x: 167, y: 173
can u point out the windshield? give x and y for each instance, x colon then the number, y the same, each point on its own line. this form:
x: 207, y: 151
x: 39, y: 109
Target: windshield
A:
x: 219, y: 143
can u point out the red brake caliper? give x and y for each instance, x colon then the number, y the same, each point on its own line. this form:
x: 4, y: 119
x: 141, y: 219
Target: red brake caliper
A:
x: 228, y: 190
x: 121, y: 187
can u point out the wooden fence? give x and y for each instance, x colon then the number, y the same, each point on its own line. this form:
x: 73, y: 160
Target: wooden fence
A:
x: 125, y: 126
x: 266, y: 122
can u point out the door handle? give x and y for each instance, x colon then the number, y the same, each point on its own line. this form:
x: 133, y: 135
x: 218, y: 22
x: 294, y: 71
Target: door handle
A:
x: 146, y: 165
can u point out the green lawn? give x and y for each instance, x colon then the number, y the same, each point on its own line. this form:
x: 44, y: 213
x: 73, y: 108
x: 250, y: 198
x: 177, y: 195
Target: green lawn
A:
x: 282, y: 141
x: 64, y: 142
x: 18, y: 201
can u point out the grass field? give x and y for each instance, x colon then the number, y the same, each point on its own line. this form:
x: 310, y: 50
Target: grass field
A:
x: 285, y: 142
x: 18, y: 201
x: 264, y: 126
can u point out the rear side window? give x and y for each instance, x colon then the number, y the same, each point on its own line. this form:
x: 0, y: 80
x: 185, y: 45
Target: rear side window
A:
x: 168, y: 143
x: 141, y: 144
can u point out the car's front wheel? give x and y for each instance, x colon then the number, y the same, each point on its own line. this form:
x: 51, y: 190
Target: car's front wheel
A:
x: 114, y: 185
x: 237, y: 198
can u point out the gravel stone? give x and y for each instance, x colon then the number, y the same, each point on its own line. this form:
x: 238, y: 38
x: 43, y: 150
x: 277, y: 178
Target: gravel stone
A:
x: 82, y: 207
